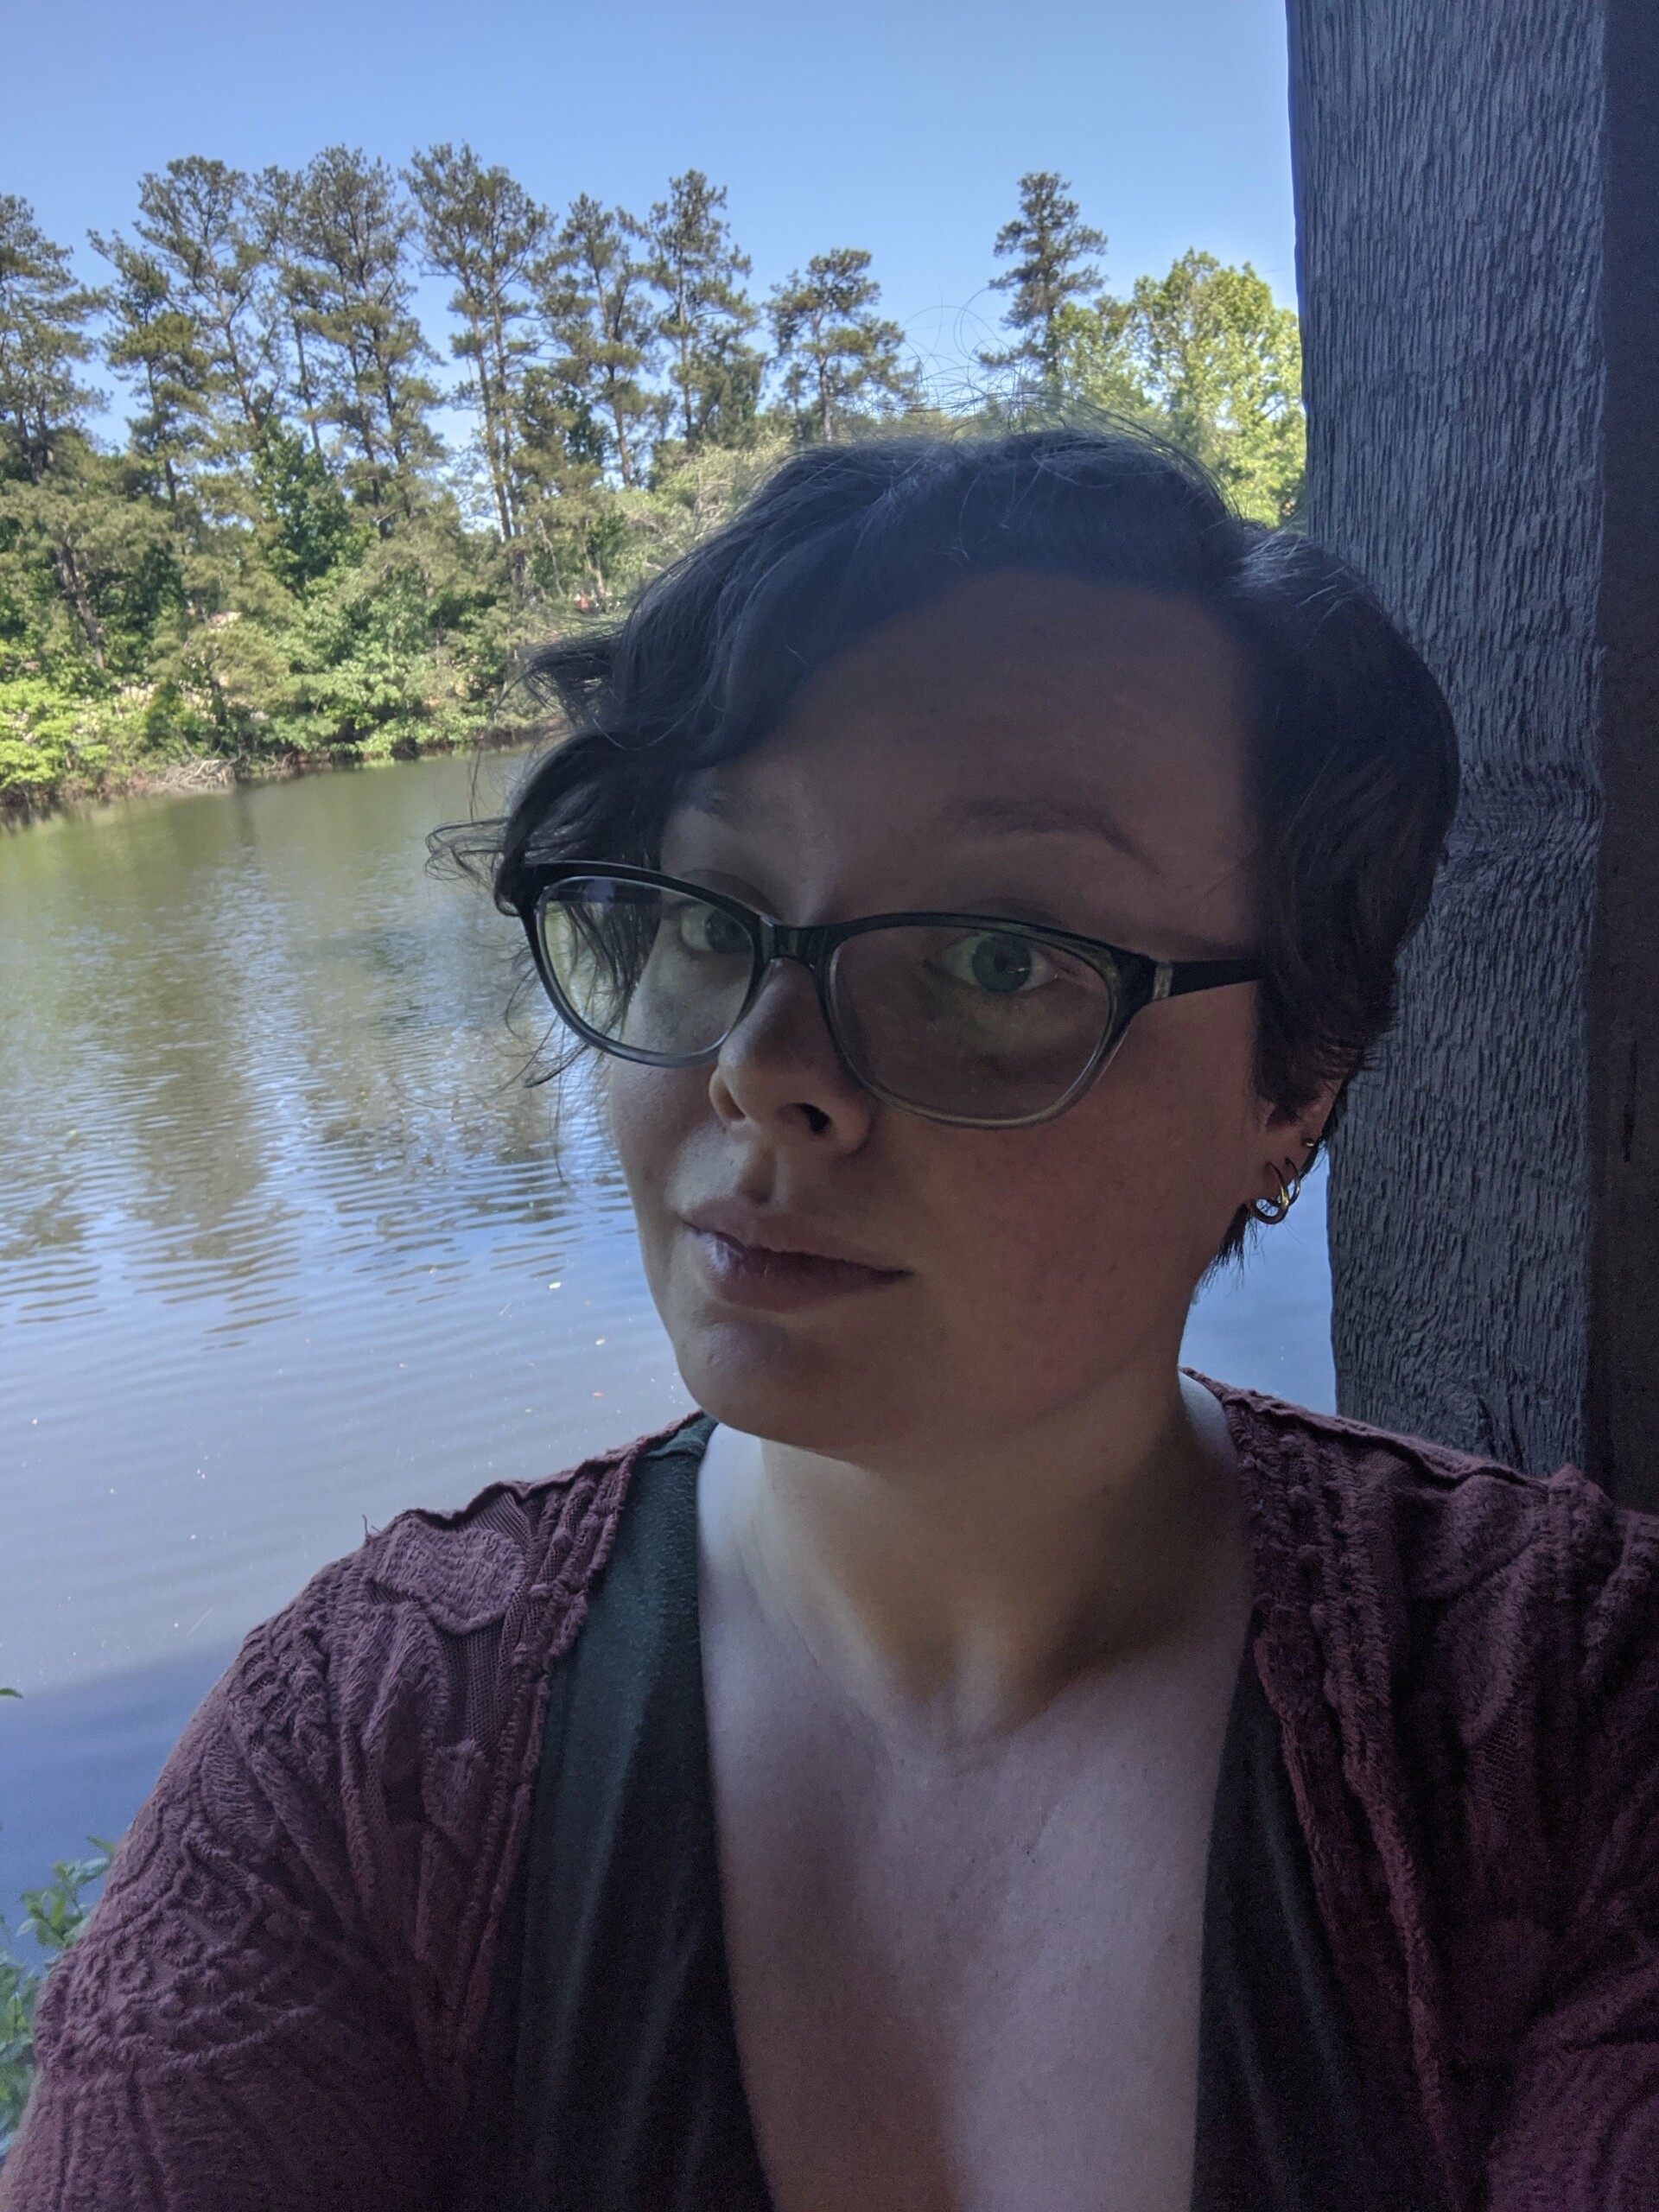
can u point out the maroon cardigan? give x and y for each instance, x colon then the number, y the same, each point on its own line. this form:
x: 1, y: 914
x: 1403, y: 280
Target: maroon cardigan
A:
x: 278, y: 2003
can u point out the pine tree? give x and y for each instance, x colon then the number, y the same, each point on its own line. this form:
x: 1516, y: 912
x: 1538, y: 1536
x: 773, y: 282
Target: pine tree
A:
x: 353, y: 229
x: 195, y: 218
x: 706, y: 315
x: 43, y: 340
x: 47, y: 502
x: 598, y: 313
x: 485, y: 232
x: 1054, y: 267
x: 276, y: 199
x: 158, y: 345
x: 838, y: 356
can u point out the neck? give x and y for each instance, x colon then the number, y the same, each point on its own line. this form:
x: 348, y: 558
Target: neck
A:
x: 960, y: 1600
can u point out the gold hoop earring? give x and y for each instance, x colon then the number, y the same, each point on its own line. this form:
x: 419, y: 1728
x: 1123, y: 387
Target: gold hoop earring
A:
x: 1272, y: 1211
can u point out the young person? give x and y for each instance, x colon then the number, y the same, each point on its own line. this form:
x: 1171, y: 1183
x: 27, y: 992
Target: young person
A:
x: 973, y: 1765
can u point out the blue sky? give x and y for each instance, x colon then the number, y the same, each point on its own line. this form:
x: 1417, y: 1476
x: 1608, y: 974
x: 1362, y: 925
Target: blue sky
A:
x: 897, y: 125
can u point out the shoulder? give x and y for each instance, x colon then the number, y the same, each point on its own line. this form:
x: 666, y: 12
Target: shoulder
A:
x: 1438, y: 1544
x: 1480, y: 1648
x: 1465, y: 1661
x: 429, y: 1609
x: 343, y: 1811
x: 478, y: 1565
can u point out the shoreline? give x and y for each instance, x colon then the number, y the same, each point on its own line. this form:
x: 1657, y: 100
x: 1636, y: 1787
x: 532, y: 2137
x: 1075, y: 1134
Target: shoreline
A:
x: 204, y: 772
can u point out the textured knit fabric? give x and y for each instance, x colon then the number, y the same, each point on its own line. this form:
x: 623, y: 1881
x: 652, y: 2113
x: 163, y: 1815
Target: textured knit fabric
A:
x: 610, y: 2079
x: 279, y: 2002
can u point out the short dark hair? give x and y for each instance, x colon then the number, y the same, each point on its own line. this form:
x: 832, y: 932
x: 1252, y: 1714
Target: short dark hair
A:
x: 1353, y: 769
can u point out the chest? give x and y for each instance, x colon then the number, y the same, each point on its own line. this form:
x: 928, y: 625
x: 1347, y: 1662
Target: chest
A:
x: 965, y: 1978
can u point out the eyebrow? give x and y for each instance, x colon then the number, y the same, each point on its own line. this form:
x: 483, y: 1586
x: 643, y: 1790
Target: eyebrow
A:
x: 719, y: 801
x: 1029, y: 814
x: 1006, y: 814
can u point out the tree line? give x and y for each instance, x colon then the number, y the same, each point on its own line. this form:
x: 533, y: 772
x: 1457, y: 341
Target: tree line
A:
x: 293, y: 551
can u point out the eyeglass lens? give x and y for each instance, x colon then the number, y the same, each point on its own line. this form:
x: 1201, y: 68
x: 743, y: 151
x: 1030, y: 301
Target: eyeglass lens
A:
x: 979, y: 1023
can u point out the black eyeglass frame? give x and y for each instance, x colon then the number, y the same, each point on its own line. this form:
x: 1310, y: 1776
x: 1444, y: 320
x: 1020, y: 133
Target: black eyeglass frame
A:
x: 1136, y: 980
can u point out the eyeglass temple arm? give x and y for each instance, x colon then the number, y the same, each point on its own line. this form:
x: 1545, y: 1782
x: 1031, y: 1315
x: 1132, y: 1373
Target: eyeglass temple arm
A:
x: 1173, y: 979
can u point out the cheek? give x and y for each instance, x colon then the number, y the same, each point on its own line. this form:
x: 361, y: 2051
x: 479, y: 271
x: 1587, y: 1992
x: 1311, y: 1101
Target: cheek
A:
x: 1102, y: 1222
x: 651, y: 1113
x: 1043, y: 1246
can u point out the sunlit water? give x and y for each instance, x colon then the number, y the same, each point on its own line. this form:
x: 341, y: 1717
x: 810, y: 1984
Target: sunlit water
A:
x: 284, y: 1248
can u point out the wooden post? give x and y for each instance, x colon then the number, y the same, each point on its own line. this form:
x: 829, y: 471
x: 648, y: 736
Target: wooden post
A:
x: 1477, y: 205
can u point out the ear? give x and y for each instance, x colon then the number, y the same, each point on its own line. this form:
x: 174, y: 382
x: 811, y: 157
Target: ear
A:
x: 1290, y: 1142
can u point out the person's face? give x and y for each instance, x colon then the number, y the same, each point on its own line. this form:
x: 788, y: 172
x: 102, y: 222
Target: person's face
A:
x: 1030, y: 746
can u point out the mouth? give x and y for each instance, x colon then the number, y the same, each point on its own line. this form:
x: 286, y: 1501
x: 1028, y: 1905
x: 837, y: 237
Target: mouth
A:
x: 748, y: 1259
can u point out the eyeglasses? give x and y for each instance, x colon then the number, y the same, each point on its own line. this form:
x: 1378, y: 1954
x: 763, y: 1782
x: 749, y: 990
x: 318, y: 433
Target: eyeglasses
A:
x: 968, y: 1018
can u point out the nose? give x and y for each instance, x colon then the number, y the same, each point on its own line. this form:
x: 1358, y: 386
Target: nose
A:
x: 779, y: 1069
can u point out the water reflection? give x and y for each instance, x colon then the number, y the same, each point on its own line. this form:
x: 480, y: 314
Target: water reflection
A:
x: 242, y: 1030
x: 280, y: 1226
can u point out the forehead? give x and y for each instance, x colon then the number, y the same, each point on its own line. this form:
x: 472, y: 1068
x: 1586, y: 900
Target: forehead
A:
x: 1042, y: 699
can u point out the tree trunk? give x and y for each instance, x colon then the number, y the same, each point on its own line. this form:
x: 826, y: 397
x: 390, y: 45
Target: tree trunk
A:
x: 1478, y: 187
x: 506, y: 444
x: 624, y: 456
x: 74, y: 590
x: 306, y: 400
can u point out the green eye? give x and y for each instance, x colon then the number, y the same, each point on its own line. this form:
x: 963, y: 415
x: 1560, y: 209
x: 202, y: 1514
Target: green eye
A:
x: 1004, y: 966
x: 707, y: 930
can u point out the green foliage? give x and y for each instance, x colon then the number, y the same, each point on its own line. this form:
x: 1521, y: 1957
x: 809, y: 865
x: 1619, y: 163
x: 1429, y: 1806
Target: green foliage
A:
x: 157, y: 345
x: 484, y: 231
x: 838, y: 356
x: 196, y: 221
x: 398, y: 651
x: 54, y: 1915
x: 285, y: 561
x: 706, y: 315
x: 352, y: 229
x: 598, y: 310
x: 1050, y: 245
x: 309, y: 530
x: 1206, y: 356
x: 55, y: 740
x: 43, y: 339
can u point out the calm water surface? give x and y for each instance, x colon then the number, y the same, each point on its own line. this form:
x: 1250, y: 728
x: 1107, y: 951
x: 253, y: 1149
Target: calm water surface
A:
x: 284, y: 1248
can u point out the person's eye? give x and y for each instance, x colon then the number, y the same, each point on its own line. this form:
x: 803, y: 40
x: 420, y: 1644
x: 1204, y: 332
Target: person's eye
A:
x: 707, y: 930
x: 1004, y: 966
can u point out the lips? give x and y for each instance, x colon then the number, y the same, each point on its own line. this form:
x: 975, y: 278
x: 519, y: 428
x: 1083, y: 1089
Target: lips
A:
x: 750, y: 1258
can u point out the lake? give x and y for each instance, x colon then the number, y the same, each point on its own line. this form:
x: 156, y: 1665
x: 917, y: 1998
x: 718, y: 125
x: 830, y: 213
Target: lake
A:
x: 285, y: 1247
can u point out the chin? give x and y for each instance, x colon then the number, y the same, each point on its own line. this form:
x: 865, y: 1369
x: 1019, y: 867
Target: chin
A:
x: 768, y: 1380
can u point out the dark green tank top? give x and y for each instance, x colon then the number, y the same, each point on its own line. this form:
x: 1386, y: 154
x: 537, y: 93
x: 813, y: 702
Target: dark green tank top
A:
x: 609, y: 2079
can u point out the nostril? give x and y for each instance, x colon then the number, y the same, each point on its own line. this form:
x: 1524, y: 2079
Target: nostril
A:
x: 817, y: 1119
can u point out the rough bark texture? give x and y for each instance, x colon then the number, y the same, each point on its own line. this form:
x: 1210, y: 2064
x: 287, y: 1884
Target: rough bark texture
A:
x: 1622, y: 1415
x: 1479, y: 277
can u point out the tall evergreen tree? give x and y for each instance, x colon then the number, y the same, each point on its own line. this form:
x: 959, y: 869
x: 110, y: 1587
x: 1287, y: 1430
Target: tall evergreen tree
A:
x: 1050, y: 246
x: 157, y: 347
x: 484, y: 231
x: 352, y: 231
x: 44, y: 313
x: 706, y: 315
x: 838, y: 356
x: 54, y: 504
x: 597, y: 309
x: 275, y: 197
x: 195, y: 218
